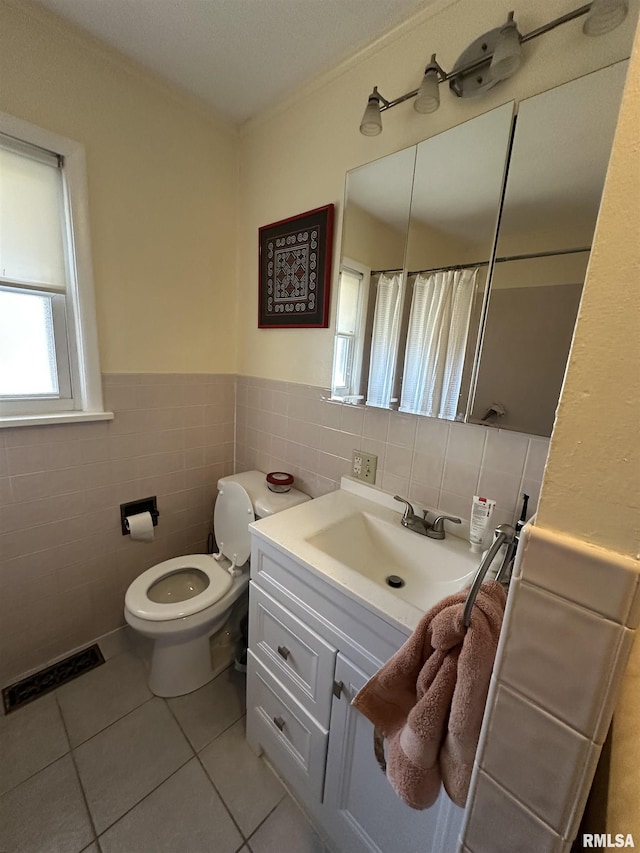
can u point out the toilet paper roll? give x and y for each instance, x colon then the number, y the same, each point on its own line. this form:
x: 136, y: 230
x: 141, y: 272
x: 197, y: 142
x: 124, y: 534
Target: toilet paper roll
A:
x: 141, y: 527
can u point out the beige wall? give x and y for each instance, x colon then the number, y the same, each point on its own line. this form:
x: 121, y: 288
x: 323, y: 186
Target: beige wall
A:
x: 591, y: 484
x: 590, y: 488
x: 162, y: 192
x: 372, y: 242
x: 428, y: 247
x: 313, y: 139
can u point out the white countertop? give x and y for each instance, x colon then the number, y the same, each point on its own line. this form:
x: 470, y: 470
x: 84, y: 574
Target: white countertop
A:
x: 445, y: 565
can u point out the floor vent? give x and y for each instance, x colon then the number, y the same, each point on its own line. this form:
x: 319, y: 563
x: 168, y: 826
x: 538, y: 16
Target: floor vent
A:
x: 22, y: 692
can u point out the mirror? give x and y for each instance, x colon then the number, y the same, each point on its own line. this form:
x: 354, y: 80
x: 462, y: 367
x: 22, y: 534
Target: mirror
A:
x: 374, y: 235
x: 444, y: 211
x: 454, y: 213
x: 557, y: 169
x: 506, y: 354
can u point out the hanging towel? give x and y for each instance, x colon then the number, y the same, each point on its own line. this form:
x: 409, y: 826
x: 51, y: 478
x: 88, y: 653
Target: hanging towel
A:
x: 428, y: 699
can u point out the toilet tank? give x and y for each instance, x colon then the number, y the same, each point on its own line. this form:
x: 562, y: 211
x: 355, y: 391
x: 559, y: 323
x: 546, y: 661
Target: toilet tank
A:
x: 265, y: 502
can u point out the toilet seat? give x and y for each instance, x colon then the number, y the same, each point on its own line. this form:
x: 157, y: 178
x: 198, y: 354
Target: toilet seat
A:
x: 231, y: 518
x: 138, y: 602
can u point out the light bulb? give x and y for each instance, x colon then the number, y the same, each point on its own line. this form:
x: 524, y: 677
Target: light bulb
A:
x: 604, y: 16
x: 506, y: 56
x: 371, y: 124
x: 428, y: 97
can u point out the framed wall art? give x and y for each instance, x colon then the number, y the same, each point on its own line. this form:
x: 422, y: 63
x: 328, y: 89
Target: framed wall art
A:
x: 295, y: 271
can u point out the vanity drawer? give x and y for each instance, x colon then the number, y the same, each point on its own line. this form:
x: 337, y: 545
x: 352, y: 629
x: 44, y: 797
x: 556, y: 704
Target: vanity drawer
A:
x: 291, y: 738
x: 293, y: 653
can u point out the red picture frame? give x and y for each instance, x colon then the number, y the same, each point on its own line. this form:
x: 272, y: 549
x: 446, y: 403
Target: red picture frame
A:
x: 295, y: 271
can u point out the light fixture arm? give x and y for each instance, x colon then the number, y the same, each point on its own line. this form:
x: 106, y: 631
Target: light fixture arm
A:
x: 483, y: 61
x: 382, y: 101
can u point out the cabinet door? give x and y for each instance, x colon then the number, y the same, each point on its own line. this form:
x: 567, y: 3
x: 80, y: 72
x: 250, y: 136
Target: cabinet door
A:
x: 363, y: 813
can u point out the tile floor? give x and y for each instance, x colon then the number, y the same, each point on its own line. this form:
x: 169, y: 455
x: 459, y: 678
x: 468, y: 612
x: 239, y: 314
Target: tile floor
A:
x: 103, y: 766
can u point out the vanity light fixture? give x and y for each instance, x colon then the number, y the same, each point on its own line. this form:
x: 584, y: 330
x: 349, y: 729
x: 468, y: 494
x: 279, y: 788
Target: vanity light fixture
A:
x: 492, y: 57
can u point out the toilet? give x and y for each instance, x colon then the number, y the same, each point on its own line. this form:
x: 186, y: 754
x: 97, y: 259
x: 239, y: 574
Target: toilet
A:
x: 181, y: 603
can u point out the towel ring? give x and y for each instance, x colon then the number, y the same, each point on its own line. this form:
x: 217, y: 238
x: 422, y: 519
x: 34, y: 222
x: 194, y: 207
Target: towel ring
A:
x: 503, y: 533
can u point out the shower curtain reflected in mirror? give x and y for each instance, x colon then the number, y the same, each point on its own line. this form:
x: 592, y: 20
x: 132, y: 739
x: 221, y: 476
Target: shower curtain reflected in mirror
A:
x: 384, y: 339
x: 436, y: 342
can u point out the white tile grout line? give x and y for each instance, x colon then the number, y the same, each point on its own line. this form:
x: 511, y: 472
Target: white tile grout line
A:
x: 44, y: 767
x: 184, y: 763
x: 199, y: 760
x: 71, y: 749
x: 75, y: 767
x: 148, y: 794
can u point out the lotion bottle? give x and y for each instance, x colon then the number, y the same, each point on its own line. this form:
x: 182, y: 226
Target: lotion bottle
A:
x: 481, y: 512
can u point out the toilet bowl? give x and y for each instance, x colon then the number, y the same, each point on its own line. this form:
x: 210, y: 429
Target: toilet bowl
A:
x: 182, y: 602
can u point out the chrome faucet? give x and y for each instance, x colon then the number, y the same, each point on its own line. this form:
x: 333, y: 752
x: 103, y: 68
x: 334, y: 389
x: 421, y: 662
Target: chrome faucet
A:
x: 437, y: 529
x: 420, y: 525
x: 412, y: 521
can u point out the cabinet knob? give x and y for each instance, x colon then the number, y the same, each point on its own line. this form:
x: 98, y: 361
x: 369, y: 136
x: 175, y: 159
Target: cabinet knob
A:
x: 279, y: 723
x: 284, y: 652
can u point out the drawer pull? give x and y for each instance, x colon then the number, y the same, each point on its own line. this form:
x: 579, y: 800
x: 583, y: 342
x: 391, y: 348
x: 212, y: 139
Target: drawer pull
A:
x: 279, y: 723
x: 284, y: 652
x: 338, y: 687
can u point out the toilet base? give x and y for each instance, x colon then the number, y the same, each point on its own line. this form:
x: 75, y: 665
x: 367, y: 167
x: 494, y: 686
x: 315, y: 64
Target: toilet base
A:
x: 179, y: 668
x: 181, y: 660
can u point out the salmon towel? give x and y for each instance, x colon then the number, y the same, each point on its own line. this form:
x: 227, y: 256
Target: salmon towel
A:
x: 428, y: 700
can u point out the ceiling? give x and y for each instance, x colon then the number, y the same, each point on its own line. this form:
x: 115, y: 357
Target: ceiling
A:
x: 240, y: 56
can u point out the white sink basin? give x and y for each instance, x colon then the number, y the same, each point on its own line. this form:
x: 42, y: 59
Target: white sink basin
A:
x: 353, y: 539
x: 381, y: 549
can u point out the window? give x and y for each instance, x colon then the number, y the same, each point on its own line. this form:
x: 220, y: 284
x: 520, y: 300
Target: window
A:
x: 48, y: 343
x: 349, y: 339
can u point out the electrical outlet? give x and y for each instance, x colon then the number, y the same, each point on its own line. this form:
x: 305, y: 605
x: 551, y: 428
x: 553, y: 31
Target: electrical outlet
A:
x: 364, y: 466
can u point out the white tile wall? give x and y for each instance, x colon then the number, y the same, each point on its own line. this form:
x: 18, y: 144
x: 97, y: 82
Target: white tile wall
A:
x: 567, y: 635
x: 435, y: 463
x: 534, y: 758
x: 64, y: 563
x: 504, y: 825
x: 544, y: 655
x: 591, y: 576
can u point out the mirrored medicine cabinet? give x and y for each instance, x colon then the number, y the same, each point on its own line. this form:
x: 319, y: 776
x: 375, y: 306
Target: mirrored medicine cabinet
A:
x: 463, y: 260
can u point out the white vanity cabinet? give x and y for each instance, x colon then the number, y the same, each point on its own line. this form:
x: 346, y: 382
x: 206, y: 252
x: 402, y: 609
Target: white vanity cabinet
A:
x: 311, y: 648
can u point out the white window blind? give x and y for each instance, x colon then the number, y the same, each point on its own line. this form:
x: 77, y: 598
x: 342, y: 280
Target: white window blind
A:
x: 48, y: 344
x: 34, y: 361
x: 436, y: 342
x: 384, y: 339
x: 32, y: 216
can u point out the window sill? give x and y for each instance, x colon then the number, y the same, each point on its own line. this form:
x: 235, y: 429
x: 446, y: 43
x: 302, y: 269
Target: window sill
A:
x: 56, y: 418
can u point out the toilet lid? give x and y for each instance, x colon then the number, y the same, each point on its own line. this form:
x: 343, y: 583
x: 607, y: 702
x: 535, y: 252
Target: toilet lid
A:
x: 231, y: 519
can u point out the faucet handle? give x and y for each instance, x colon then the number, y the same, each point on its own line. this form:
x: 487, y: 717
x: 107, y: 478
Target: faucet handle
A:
x: 437, y: 529
x: 408, y: 510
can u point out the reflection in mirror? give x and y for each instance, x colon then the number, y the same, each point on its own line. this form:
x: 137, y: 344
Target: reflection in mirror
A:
x: 374, y: 233
x: 557, y: 169
x: 454, y: 210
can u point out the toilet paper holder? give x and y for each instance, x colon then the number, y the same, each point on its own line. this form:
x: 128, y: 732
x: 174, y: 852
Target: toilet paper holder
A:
x: 149, y: 505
